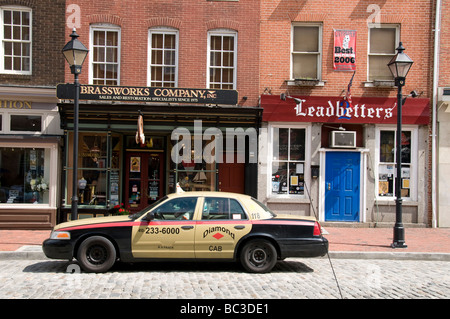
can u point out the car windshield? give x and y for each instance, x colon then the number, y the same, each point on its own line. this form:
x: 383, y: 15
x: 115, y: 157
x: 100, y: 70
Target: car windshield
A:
x: 148, y: 208
x: 263, y: 211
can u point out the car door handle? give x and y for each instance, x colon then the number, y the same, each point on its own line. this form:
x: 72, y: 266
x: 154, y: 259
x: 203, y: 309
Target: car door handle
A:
x: 239, y: 226
x: 187, y: 227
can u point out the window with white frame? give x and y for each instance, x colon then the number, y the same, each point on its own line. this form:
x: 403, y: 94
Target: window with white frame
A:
x: 383, y: 40
x: 306, y: 51
x: 222, y: 59
x: 288, y: 160
x: 163, y: 57
x: 16, y: 43
x: 105, y: 55
x: 387, y: 171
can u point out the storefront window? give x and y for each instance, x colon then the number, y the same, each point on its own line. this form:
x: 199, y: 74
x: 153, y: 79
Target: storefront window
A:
x: 98, y: 163
x: 24, y: 175
x: 191, y: 175
x: 288, y: 161
x: 387, y: 167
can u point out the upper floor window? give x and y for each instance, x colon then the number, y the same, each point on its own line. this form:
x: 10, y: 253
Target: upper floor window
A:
x: 163, y: 57
x: 222, y: 59
x: 382, y: 44
x: 105, y: 55
x: 306, y: 52
x: 15, y: 35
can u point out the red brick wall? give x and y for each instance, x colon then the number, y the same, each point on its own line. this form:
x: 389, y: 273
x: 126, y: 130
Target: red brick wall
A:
x: 193, y: 19
x: 48, y: 28
x: 415, y: 18
x: 444, y: 61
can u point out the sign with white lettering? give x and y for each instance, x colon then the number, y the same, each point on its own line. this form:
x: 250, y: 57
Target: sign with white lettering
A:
x: 329, y: 109
x: 148, y: 94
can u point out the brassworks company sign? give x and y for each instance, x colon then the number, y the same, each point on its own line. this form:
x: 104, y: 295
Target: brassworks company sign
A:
x: 147, y: 94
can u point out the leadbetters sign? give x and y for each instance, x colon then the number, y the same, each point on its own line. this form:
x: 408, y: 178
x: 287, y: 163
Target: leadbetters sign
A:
x: 148, y: 94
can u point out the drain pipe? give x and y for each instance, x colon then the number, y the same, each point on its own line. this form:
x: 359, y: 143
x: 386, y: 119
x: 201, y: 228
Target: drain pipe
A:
x: 437, y: 35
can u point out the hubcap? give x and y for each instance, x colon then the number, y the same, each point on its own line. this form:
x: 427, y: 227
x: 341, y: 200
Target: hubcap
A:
x: 96, y: 254
x: 258, y: 256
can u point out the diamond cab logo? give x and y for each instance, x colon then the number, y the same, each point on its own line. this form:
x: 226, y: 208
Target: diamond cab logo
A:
x: 218, y: 232
x: 218, y: 236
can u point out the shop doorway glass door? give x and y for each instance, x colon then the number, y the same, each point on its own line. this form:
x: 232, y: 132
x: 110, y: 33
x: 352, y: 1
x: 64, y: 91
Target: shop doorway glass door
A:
x: 342, y: 186
x: 143, y: 179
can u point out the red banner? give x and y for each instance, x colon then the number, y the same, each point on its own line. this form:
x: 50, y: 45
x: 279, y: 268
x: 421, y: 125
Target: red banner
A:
x: 329, y: 109
x: 344, y: 50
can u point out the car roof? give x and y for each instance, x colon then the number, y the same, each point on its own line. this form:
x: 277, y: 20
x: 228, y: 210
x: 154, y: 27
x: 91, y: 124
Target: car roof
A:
x: 207, y: 194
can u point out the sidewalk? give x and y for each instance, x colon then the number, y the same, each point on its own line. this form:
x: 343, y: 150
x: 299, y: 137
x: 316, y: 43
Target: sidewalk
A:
x: 344, y: 242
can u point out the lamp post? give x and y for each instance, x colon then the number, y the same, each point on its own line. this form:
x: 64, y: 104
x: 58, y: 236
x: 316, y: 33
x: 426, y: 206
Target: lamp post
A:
x: 399, y: 67
x: 75, y: 53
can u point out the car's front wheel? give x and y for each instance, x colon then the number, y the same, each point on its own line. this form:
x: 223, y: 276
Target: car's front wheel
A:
x: 96, y: 254
x: 258, y: 256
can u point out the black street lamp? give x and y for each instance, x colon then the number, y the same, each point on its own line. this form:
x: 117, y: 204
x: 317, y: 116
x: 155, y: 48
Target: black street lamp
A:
x: 399, y: 67
x: 75, y: 53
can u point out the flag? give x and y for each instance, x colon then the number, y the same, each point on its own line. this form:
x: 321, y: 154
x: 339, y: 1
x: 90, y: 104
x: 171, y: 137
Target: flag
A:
x: 348, y: 95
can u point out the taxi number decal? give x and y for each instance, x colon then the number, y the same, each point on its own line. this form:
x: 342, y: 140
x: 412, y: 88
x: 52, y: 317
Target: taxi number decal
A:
x: 162, y: 230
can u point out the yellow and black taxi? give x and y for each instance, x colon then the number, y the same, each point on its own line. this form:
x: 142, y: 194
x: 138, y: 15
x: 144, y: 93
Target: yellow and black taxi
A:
x: 189, y: 226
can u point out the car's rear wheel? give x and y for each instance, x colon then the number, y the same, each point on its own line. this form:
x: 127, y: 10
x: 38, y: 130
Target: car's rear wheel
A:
x: 96, y: 254
x: 258, y: 256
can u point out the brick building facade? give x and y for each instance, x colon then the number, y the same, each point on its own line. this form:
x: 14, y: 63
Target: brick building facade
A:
x: 305, y: 102
x: 172, y: 46
x: 31, y: 65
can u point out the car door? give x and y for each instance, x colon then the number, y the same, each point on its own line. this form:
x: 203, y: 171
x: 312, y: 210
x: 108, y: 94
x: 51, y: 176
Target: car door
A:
x: 223, y: 223
x: 170, y: 234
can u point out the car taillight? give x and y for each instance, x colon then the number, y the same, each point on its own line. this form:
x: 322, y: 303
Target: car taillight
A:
x: 317, y: 229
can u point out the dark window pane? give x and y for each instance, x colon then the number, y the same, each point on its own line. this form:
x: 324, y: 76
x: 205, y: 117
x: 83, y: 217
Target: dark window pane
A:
x: 30, y: 123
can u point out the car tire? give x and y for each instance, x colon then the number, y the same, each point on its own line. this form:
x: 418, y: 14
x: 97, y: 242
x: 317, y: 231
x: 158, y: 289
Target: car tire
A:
x: 258, y: 256
x: 96, y: 254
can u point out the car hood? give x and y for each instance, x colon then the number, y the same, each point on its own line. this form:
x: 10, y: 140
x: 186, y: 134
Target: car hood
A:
x: 91, y: 221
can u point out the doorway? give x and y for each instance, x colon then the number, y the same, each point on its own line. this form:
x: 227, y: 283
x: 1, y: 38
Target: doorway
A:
x: 144, y: 179
x: 342, y: 186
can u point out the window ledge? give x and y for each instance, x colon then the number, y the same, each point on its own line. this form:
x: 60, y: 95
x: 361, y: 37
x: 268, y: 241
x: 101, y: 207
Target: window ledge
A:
x: 380, y: 84
x: 386, y: 202
x: 286, y: 199
x: 305, y: 82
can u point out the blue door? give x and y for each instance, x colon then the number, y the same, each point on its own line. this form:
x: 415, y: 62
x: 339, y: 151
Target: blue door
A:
x: 342, y: 186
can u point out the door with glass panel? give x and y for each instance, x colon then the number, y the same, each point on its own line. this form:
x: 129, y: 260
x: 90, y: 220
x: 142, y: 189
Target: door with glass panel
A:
x: 144, y: 179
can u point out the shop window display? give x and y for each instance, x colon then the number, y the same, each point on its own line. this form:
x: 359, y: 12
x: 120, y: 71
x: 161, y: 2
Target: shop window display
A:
x: 98, y: 162
x: 24, y: 175
x: 288, y: 162
x: 387, y: 167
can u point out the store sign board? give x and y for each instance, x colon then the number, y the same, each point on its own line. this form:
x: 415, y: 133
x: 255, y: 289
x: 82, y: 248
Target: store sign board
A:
x: 328, y: 109
x: 148, y: 94
x: 16, y: 105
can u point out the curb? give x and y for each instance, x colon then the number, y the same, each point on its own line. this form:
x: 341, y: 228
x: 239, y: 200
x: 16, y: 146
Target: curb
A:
x: 36, y: 253
x: 390, y: 255
x: 25, y: 252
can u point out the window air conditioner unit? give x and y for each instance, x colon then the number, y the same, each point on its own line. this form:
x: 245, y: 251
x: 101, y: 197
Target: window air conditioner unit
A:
x: 343, y: 139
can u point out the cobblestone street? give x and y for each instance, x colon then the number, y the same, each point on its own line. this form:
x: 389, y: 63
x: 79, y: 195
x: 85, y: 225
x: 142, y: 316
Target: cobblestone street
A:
x: 291, y: 279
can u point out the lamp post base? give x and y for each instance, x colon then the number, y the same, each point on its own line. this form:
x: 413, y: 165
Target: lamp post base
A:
x: 399, y: 237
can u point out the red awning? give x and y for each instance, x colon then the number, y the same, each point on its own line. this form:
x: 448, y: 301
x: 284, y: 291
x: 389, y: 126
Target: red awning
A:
x: 326, y: 109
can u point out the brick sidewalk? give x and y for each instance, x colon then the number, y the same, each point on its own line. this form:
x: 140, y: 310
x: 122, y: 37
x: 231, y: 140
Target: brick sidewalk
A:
x: 11, y: 240
x: 431, y: 240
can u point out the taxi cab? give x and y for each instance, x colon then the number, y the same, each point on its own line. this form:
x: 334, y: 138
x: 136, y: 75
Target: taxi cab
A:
x: 189, y: 226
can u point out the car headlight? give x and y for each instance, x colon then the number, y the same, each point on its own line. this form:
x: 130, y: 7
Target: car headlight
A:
x: 64, y: 235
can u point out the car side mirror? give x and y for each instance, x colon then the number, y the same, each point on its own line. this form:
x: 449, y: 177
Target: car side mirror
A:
x: 149, y: 216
